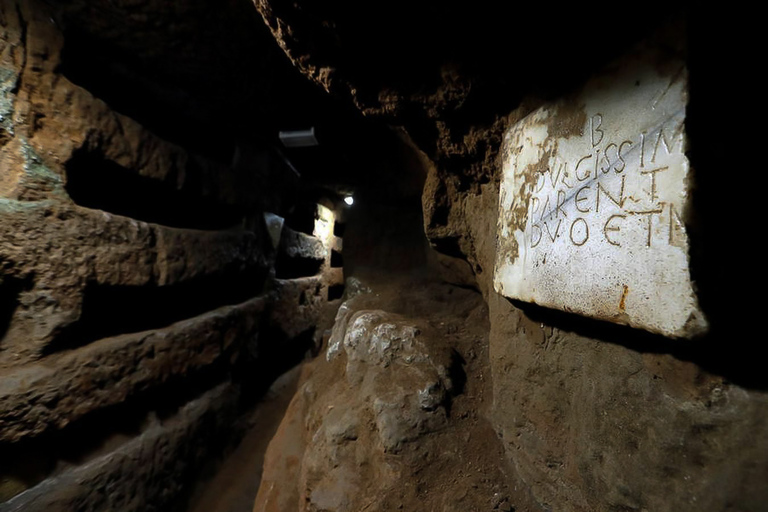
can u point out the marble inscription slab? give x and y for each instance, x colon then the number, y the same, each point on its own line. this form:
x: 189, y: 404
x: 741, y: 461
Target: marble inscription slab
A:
x: 593, y: 202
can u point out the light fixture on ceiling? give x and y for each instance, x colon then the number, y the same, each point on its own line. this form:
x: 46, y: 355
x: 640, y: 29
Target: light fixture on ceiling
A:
x: 349, y: 200
x: 298, y: 138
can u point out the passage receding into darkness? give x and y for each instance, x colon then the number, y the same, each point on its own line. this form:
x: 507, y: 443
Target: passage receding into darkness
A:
x: 593, y: 202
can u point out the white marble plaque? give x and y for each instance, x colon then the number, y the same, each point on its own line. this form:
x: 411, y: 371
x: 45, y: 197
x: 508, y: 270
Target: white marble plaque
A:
x: 593, y: 202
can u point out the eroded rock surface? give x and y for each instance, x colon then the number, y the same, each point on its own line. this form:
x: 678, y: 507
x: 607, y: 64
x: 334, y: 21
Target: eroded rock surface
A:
x: 387, y: 420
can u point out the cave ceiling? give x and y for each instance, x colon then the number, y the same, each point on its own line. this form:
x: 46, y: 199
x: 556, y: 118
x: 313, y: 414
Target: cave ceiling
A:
x: 215, y: 76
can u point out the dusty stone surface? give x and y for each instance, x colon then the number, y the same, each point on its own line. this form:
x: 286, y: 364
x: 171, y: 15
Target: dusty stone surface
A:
x: 594, y: 195
x: 377, y: 339
x: 335, y: 276
x: 598, y: 426
x: 52, y: 394
x: 145, y: 473
x: 337, y: 244
x: 386, y: 421
x: 325, y: 219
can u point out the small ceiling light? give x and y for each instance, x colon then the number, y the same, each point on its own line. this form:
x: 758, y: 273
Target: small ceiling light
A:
x: 298, y: 138
x: 349, y: 200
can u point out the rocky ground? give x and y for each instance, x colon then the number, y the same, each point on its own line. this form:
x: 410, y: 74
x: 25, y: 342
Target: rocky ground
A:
x: 393, y: 415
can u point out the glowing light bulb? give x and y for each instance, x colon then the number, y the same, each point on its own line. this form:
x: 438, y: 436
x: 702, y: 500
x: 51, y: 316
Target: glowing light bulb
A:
x: 349, y: 200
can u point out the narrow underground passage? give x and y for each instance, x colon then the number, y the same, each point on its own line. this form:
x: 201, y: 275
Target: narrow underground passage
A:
x: 135, y: 385
x: 385, y: 253
x: 247, y: 258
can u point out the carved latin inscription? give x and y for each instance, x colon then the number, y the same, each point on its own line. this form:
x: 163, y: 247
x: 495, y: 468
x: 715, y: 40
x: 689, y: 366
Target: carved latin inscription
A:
x: 602, y: 191
x: 592, y: 204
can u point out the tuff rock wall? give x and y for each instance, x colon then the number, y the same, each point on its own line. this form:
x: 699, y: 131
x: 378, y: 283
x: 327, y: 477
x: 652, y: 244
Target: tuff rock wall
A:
x: 141, y: 292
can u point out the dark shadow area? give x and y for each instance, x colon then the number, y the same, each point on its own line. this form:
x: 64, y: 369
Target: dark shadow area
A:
x: 335, y: 291
x: 273, y: 356
x: 113, y: 310
x: 338, y: 229
x: 449, y: 246
x: 259, y: 371
x: 385, y: 236
x: 95, y: 182
x: 458, y: 377
x: 116, y: 82
x: 384, y: 229
x: 287, y: 267
x: 337, y: 259
x: 231, y: 482
x: 715, y: 352
x: 301, y: 217
x: 720, y: 237
x: 10, y: 289
x: 30, y: 461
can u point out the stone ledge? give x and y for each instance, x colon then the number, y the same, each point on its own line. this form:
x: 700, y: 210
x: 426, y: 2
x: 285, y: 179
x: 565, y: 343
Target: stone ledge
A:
x: 52, y: 394
x: 61, y: 249
x: 149, y: 469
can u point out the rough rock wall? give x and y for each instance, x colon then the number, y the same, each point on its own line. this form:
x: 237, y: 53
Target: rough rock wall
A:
x: 136, y: 303
x: 594, y: 417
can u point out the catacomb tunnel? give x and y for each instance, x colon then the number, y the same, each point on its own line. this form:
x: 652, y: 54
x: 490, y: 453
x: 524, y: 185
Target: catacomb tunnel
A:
x: 296, y: 256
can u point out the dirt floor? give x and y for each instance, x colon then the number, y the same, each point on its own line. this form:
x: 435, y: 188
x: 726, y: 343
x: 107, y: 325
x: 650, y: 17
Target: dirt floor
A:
x: 235, y: 481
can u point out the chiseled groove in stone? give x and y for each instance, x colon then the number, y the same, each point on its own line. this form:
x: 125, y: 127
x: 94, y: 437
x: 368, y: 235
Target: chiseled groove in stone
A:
x: 155, y: 460
x: 54, y: 393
